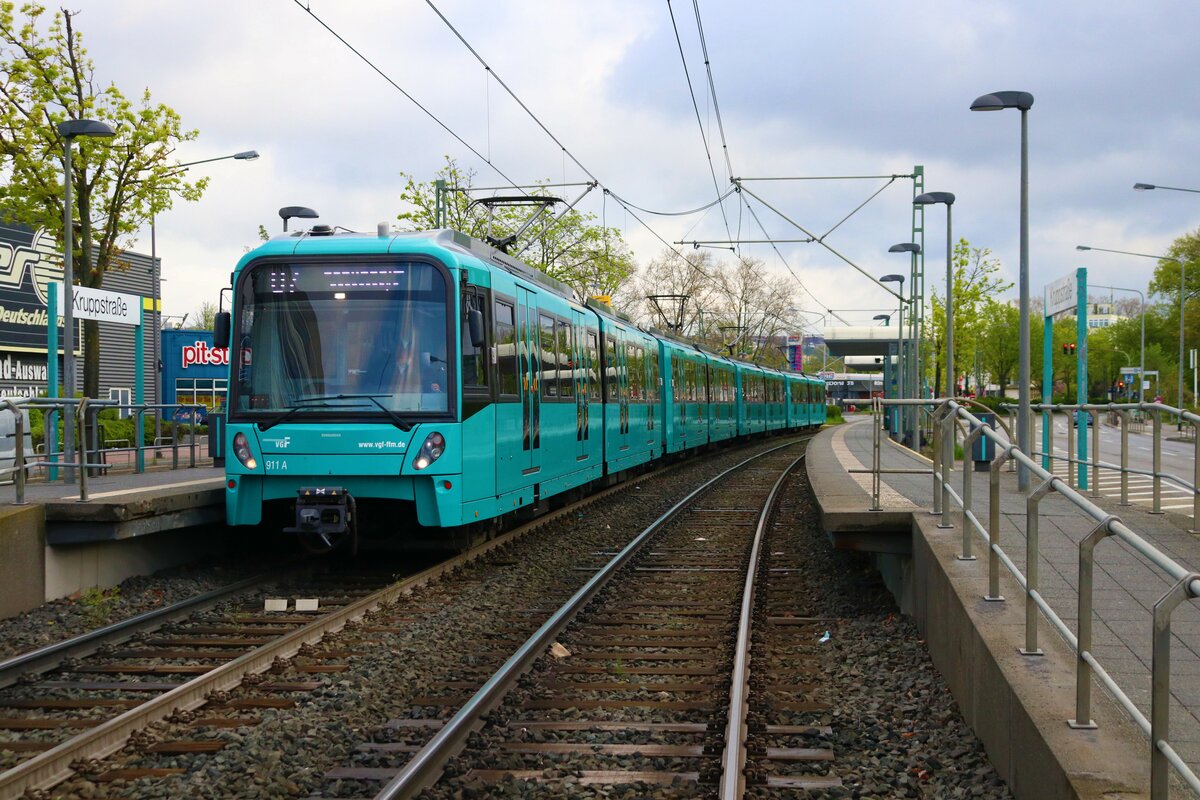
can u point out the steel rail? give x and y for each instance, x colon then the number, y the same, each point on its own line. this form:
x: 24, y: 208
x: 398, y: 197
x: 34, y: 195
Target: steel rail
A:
x: 45, y: 658
x: 54, y: 766
x: 426, y: 765
x: 733, y: 777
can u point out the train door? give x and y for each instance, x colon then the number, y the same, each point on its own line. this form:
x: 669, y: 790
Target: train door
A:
x: 529, y: 339
x: 578, y: 365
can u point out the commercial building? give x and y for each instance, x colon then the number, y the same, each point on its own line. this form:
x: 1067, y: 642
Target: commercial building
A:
x: 31, y: 260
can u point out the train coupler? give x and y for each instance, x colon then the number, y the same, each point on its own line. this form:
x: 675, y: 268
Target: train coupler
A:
x: 326, y: 512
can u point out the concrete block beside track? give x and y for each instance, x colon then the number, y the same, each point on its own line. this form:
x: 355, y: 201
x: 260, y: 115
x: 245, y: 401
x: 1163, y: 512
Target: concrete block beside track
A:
x: 1018, y: 705
x: 22, y: 558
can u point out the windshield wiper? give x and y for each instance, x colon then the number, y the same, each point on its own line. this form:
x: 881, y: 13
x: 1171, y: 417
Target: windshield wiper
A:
x: 292, y: 409
x: 396, y: 419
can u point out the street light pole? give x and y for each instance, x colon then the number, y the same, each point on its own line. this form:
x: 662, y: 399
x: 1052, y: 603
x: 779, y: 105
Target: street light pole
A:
x: 1023, y: 101
x: 914, y: 362
x: 1182, y: 300
x: 1142, y: 300
x: 932, y: 198
x: 245, y: 155
x: 1145, y: 187
x: 69, y: 130
x: 899, y: 416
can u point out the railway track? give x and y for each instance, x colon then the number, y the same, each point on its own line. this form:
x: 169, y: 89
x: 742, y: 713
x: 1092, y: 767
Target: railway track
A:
x: 647, y: 680
x: 199, y: 670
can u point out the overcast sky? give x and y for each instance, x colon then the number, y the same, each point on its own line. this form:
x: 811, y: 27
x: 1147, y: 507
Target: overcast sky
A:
x: 804, y: 88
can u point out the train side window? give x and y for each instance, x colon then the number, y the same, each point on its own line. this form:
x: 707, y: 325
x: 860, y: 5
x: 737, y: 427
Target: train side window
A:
x: 474, y: 359
x: 653, y: 388
x: 505, y: 339
x: 610, y: 368
x: 593, y: 359
x: 547, y: 358
x: 565, y: 357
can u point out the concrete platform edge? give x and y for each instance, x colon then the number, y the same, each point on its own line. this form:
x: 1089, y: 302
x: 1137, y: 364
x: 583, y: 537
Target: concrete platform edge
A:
x: 1017, y: 705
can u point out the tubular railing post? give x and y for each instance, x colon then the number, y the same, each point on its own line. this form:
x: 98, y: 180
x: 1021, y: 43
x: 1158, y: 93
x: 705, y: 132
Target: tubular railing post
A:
x: 947, y: 459
x: 82, y: 448
x: 877, y: 423
x: 1124, y: 417
x: 1160, y: 685
x: 192, y: 442
x: 993, y: 594
x: 967, y: 482
x: 1095, y: 421
x: 174, y: 443
x: 18, y: 452
x: 1031, y: 565
x: 51, y: 428
x: 1156, y: 415
x: 1048, y: 438
x: 1083, y: 670
x: 1195, y: 479
x: 1070, y: 450
x: 936, y: 430
x: 139, y: 435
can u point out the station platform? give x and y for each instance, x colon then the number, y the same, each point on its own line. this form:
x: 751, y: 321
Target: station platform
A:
x: 1018, y: 704
x: 55, y: 544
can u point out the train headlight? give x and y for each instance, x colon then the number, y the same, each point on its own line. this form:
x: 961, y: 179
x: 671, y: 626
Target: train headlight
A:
x: 241, y: 449
x: 431, y: 450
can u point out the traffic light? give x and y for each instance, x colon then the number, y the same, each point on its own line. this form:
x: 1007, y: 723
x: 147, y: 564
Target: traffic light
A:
x: 1069, y: 349
x: 1120, y: 384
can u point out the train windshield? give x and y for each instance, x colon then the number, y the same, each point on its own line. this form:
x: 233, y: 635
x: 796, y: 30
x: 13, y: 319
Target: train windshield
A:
x: 341, y: 338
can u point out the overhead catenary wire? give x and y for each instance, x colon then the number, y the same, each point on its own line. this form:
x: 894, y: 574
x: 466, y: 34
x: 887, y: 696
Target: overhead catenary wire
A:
x: 402, y: 91
x: 696, y: 107
x: 626, y: 205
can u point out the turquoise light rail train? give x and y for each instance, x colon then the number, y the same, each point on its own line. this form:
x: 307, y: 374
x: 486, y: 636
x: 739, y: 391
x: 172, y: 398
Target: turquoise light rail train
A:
x: 429, y: 386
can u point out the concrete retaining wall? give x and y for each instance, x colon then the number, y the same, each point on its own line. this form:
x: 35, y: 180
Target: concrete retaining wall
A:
x: 1018, y: 705
x: 22, y: 558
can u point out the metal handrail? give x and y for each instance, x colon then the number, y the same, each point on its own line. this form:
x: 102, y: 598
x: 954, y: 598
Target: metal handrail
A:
x: 1186, y: 583
x: 78, y: 412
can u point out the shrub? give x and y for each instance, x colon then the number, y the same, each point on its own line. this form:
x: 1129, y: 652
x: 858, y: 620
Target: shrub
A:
x: 833, y: 415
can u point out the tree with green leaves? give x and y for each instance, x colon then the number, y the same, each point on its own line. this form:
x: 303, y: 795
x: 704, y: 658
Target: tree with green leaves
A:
x: 1000, y: 341
x: 976, y: 283
x: 46, y: 77
x: 592, y: 259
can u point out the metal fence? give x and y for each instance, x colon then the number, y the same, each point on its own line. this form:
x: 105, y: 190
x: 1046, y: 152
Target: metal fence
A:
x: 90, y: 457
x: 952, y: 420
x: 1131, y: 418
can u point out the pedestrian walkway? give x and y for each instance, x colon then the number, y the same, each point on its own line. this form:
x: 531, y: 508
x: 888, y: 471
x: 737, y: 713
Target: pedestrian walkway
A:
x: 1126, y: 586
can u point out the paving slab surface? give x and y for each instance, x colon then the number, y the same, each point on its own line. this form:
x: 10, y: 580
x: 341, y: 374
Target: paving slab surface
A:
x: 1126, y: 585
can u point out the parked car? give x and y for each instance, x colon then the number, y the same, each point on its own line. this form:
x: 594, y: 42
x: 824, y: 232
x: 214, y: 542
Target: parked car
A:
x: 1078, y: 415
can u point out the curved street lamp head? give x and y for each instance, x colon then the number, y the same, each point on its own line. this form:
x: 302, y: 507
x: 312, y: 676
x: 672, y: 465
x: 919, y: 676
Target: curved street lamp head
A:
x: 932, y: 198
x: 893, y: 278
x: 1082, y: 247
x: 71, y: 128
x: 884, y: 317
x: 1143, y: 187
x: 296, y: 212
x: 905, y: 247
x: 998, y: 101
x: 246, y: 155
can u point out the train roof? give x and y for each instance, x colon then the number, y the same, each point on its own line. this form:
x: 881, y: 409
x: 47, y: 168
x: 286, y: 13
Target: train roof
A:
x: 324, y: 240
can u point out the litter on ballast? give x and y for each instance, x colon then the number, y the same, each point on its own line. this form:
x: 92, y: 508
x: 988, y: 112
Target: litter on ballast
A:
x: 559, y: 651
x: 824, y: 638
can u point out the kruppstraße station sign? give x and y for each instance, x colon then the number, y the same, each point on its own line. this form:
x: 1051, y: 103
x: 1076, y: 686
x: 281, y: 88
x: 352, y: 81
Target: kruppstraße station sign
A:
x: 97, y: 304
